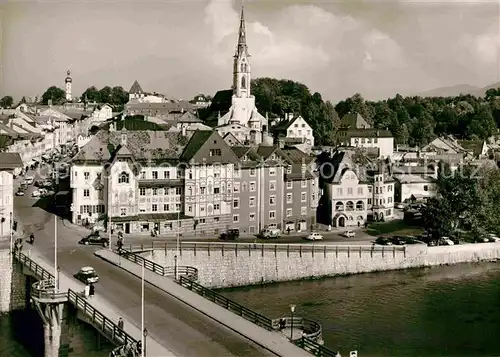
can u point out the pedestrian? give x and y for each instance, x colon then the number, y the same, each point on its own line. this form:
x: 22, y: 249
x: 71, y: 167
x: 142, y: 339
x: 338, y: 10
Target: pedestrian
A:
x: 288, y: 230
x: 359, y: 224
x: 86, y: 292
x: 120, y: 323
x: 91, y: 290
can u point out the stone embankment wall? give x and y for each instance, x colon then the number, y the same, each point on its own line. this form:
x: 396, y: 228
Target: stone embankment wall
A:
x: 228, y: 268
x: 12, y: 284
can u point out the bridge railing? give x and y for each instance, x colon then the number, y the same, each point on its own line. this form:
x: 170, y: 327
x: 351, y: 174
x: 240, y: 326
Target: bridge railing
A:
x: 187, y: 271
x: 99, y: 320
x: 311, y: 329
x: 45, y: 290
x: 230, y: 305
x: 314, y: 348
x: 311, y: 248
x: 33, y: 266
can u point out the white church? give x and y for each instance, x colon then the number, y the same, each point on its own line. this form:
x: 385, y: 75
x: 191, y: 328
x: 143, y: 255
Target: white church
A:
x: 243, y: 120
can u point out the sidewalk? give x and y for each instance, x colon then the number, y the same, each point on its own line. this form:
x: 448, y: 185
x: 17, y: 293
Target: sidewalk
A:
x: 155, y: 349
x: 272, y: 341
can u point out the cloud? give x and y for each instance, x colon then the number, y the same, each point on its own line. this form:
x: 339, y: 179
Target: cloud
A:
x: 382, y: 52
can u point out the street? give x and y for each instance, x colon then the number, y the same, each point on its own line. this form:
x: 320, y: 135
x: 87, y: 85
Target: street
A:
x: 180, y: 328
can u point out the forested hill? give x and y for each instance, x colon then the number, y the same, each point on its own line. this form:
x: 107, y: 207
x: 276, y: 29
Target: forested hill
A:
x: 412, y: 120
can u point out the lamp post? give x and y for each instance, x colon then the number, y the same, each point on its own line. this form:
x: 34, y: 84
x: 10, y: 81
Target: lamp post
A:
x: 145, y: 334
x: 292, y: 310
x: 175, y: 266
x: 58, y: 273
x: 142, y: 309
x: 56, y: 266
x: 11, y: 234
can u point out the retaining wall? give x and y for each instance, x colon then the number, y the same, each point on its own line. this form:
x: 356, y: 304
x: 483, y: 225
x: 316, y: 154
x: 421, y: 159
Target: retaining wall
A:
x: 12, y: 284
x: 229, y: 267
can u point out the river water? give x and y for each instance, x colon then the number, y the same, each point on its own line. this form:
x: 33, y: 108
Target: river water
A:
x: 451, y: 311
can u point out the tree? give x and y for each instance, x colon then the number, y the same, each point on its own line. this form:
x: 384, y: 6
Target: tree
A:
x: 105, y: 95
x: 91, y: 94
x: 119, y: 96
x: 54, y: 94
x: 6, y: 102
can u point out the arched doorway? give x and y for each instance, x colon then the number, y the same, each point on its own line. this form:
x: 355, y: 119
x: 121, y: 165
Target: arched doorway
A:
x: 341, y: 221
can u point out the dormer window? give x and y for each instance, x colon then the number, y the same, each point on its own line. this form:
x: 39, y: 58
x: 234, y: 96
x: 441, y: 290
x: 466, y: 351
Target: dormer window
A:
x: 289, y: 170
x: 124, y: 178
x: 273, y: 157
x: 245, y: 158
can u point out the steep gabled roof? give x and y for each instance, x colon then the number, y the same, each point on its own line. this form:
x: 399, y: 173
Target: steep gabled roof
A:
x: 136, y: 88
x: 197, y: 140
x: 354, y: 121
x: 10, y: 160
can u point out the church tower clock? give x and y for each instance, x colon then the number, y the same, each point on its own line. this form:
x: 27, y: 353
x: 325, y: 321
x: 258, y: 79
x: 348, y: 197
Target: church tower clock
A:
x: 241, y: 71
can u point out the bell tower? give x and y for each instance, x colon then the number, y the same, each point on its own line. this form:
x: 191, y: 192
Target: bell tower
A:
x: 241, y: 70
x: 68, y: 81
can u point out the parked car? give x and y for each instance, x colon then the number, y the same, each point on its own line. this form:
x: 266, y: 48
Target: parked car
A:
x: 314, y: 236
x: 87, y: 275
x: 349, y: 234
x: 493, y: 237
x: 35, y: 193
x: 29, y: 180
x: 383, y: 241
x: 446, y: 241
x: 397, y: 240
x: 20, y: 192
x: 270, y: 233
x: 230, y: 234
x: 399, y: 205
x: 94, y: 238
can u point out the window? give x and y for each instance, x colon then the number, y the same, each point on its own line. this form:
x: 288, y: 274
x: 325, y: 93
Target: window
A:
x: 252, y: 172
x: 166, y: 174
x: 216, y: 219
x: 349, y: 191
x: 99, y: 175
x: 251, y: 217
x: 166, y: 207
x: 179, y: 173
x: 190, y: 175
x: 143, y: 175
x: 303, y: 183
x: 369, y: 201
x: 154, y: 174
x: 252, y: 186
x: 202, y: 190
x: 86, y: 193
x: 155, y: 192
x: 123, y: 211
x: 142, y: 191
x: 216, y: 190
x: 178, y: 190
x: 360, y: 190
x: 177, y: 207
x: 389, y: 188
x: 100, y: 194
x: 370, y: 189
x: 289, y: 170
x: 123, y: 178
x: 215, y: 152
x: 272, y: 200
x: 154, y: 208
x: 236, y: 218
x: 289, y: 184
x: 236, y: 203
x: 339, y: 191
x: 426, y: 188
x: 86, y: 176
x: 303, y: 197
x: 272, y: 186
x: 272, y: 171
x: 252, y: 202
x: 272, y: 214
x: 289, y: 197
x: 190, y: 208
x: 288, y: 212
x: 201, y: 221
x: 236, y: 187
x: 303, y: 211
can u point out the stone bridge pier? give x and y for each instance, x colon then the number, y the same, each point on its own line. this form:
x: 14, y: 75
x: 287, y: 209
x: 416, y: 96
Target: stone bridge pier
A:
x: 50, y: 305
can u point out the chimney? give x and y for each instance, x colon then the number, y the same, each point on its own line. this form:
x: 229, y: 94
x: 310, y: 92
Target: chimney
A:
x: 184, y: 130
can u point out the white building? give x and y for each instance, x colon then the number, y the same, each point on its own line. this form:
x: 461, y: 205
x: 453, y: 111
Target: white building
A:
x: 64, y: 125
x: 136, y: 94
x: 101, y: 114
x: 379, y: 141
x: 243, y: 119
x: 8, y: 163
x: 357, y: 193
x: 414, y: 183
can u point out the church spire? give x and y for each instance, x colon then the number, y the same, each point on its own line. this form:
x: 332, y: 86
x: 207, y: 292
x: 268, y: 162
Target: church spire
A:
x: 242, y: 47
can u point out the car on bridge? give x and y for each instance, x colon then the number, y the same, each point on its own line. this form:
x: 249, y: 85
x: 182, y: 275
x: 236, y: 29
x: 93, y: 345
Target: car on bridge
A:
x: 314, y: 236
x: 230, y: 234
x: 349, y: 234
x: 87, y: 275
x: 94, y: 238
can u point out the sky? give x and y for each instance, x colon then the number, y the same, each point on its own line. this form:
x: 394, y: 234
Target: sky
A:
x: 182, y: 48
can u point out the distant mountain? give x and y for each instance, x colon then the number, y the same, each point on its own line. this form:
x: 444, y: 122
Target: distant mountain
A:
x: 451, y: 91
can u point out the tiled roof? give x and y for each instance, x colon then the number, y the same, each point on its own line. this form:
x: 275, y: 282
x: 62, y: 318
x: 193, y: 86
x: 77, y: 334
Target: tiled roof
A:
x: 10, y: 160
x: 367, y: 133
x: 197, y: 140
x: 136, y: 88
x: 189, y: 117
x: 354, y: 121
x: 169, y: 106
x: 157, y: 146
x: 413, y: 179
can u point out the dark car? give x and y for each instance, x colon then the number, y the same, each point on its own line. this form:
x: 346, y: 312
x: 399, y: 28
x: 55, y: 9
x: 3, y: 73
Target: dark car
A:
x: 383, y: 241
x: 94, y: 238
x: 230, y: 234
x: 397, y: 240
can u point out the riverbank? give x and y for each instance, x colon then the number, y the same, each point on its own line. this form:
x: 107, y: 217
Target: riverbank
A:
x: 230, y: 265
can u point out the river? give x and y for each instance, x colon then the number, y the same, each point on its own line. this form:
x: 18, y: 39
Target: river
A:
x: 451, y: 311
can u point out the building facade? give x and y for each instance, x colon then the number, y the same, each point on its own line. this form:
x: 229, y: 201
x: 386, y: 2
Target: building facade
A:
x: 8, y: 163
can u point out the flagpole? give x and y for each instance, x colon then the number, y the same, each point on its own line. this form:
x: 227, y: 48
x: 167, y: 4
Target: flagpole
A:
x: 142, y: 309
x: 11, y: 235
x: 178, y: 242
x: 56, y: 278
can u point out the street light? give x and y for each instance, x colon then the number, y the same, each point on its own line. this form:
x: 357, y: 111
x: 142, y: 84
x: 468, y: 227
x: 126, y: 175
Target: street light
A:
x: 175, y: 267
x: 56, y: 266
x: 145, y: 334
x: 58, y: 273
x: 292, y: 310
x: 142, y: 309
